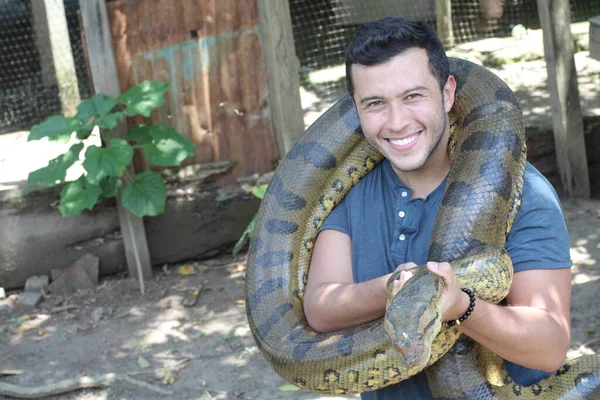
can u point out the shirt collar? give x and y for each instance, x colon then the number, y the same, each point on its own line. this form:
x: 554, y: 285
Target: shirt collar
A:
x: 391, y: 176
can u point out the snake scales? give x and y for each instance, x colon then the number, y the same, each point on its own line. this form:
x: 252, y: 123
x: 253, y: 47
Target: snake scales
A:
x: 487, y: 150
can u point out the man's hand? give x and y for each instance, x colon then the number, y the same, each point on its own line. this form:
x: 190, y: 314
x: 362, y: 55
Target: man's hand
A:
x: 405, y: 275
x: 454, y: 301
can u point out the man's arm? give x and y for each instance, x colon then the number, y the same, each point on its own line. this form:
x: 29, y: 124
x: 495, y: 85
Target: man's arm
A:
x: 332, y: 300
x: 533, y: 331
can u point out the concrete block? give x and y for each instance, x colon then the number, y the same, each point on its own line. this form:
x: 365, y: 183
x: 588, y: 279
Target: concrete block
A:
x: 37, y: 284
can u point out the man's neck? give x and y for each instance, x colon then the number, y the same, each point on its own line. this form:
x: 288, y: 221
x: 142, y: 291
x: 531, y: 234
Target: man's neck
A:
x: 425, y: 180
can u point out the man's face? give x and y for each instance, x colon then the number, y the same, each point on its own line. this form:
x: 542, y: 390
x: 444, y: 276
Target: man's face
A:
x: 403, y: 112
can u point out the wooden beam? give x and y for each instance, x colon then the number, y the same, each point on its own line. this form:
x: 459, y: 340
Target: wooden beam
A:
x: 443, y: 18
x: 106, y: 80
x: 56, y: 54
x: 555, y: 19
x: 283, y: 68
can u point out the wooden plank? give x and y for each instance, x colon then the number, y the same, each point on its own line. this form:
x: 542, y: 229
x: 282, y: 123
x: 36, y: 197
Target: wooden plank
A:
x: 555, y: 19
x: 283, y: 68
x: 106, y: 80
x: 210, y: 53
x: 56, y: 55
x: 443, y: 17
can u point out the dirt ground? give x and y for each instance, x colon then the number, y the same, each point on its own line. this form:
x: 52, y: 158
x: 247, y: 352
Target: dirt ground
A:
x: 206, y: 351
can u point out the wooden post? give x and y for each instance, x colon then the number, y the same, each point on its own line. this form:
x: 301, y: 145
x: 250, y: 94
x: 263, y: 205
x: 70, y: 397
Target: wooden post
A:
x: 56, y: 54
x: 443, y: 18
x: 283, y: 69
x: 555, y: 19
x: 106, y: 80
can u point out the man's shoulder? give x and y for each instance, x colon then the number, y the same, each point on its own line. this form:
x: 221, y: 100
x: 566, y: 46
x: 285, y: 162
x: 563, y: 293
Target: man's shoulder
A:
x: 538, y: 192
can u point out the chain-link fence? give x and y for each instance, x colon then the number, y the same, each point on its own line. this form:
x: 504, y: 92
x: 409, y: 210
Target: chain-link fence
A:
x: 322, y: 29
x: 30, y: 70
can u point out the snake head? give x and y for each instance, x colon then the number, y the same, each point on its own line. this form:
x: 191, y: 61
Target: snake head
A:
x: 412, y: 323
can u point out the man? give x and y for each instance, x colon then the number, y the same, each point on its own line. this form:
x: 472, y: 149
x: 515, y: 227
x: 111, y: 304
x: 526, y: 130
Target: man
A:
x: 398, y: 76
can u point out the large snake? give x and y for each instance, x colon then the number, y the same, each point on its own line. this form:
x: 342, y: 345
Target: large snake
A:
x: 488, y: 156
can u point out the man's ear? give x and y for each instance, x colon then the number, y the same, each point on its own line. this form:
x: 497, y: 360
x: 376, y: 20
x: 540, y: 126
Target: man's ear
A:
x: 449, y: 91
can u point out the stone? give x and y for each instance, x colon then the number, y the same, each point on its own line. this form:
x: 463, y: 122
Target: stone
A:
x: 91, y: 265
x: 2, y: 293
x: 82, y: 274
x: 28, y: 302
x: 72, y: 279
x: 6, y: 308
x: 54, y: 274
x: 37, y: 284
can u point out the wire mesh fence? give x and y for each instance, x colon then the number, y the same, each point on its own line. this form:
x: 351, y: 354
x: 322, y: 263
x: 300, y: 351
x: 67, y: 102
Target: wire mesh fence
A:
x: 29, y: 77
x: 322, y: 29
x: 29, y: 72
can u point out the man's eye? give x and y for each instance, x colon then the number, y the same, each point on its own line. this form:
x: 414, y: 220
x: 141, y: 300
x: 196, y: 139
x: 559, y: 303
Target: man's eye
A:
x: 374, y: 103
x: 413, y: 96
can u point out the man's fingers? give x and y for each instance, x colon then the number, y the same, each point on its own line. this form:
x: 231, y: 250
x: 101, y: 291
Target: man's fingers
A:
x: 404, y: 276
x: 443, y: 270
x: 406, y: 267
x: 398, y: 283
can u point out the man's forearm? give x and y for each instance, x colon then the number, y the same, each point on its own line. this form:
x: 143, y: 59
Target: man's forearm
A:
x: 334, y: 306
x: 527, y: 336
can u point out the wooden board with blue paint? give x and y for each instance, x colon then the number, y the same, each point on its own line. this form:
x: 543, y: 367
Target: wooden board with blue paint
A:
x: 210, y: 54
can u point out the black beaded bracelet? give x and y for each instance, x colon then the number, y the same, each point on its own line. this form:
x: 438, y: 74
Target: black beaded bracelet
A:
x: 452, y: 323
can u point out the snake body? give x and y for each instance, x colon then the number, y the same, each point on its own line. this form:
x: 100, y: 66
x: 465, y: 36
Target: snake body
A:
x: 488, y: 155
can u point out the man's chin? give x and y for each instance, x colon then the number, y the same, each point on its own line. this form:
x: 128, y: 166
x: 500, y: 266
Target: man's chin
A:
x: 407, y: 166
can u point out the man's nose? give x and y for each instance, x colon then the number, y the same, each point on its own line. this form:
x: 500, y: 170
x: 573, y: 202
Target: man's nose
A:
x: 397, y: 117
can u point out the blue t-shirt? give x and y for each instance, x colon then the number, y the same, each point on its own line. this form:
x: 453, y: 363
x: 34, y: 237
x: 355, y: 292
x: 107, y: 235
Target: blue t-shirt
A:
x: 387, y: 229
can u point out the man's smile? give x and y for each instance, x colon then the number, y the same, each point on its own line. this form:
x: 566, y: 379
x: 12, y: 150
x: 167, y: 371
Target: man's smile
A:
x: 403, y: 144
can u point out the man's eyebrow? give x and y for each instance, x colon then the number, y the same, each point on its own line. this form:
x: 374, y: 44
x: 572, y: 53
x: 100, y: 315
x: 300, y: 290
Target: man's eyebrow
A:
x: 375, y: 97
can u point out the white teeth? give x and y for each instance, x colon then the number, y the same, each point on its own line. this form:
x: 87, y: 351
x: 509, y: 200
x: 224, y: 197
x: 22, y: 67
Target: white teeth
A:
x: 403, y: 142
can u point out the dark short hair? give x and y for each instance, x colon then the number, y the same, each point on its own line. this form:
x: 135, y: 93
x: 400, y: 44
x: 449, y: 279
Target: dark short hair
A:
x: 380, y: 41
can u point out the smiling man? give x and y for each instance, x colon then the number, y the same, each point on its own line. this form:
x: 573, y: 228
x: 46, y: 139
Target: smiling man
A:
x: 398, y: 76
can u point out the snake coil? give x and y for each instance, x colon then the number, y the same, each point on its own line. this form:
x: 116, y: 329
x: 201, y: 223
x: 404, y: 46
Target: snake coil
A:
x: 488, y: 156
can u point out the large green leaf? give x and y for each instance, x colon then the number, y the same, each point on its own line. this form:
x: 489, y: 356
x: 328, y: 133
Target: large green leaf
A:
x: 55, y: 128
x: 168, y: 148
x: 110, y: 186
x: 143, y: 98
x: 77, y: 196
x: 110, y: 161
x: 111, y: 120
x: 95, y: 107
x: 56, y: 170
x: 97, y: 111
x: 84, y: 130
x: 140, y: 134
x: 147, y: 195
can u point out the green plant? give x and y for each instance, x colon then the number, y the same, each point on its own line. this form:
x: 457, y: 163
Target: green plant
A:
x: 259, y: 192
x: 106, y: 167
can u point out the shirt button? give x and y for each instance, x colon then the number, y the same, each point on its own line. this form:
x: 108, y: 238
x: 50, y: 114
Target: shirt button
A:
x: 401, y: 214
x: 402, y: 237
x: 404, y: 194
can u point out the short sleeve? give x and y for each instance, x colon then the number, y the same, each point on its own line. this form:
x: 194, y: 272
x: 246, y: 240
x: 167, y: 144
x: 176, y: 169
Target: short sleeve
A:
x: 338, y: 219
x: 539, y: 238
